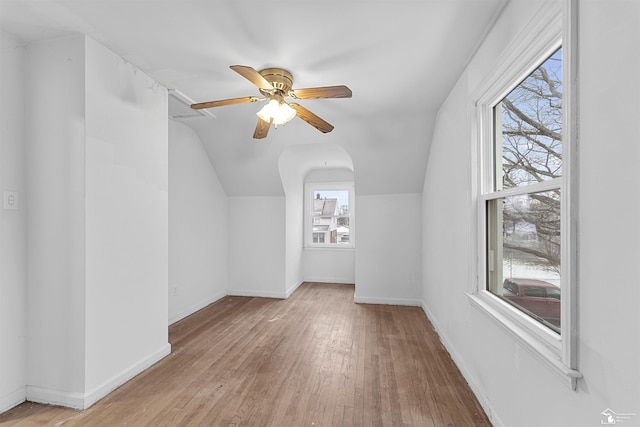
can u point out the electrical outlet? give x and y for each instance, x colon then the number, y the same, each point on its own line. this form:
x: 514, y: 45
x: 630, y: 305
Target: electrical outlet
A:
x: 174, y: 291
x: 10, y: 200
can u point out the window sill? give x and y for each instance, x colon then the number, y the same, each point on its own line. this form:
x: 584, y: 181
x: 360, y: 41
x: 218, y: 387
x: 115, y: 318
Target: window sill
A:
x: 533, y: 344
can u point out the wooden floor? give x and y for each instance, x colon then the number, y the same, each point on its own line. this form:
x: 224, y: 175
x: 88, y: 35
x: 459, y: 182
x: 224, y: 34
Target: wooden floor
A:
x: 316, y: 359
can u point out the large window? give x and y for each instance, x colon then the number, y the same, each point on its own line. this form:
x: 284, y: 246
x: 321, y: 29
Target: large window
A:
x: 524, y: 151
x: 329, y: 215
x: 523, y: 228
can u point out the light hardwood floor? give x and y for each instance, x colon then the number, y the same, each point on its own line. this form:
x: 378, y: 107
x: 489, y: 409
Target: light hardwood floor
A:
x: 316, y: 359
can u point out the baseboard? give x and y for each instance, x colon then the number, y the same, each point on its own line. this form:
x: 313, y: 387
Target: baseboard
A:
x: 318, y: 279
x: 83, y: 401
x: 292, y: 289
x: 257, y: 294
x: 55, y: 397
x: 13, y: 399
x: 387, y: 301
x: 124, y: 376
x: 482, y: 398
x: 188, y: 312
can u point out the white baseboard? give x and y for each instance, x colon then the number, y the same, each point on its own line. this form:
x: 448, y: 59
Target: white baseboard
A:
x: 256, y: 293
x: 55, y: 397
x: 484, y: 402
x: 13, y: 399
x: 386, y: 301
x: 318, y: 279
x: 82, y: 401
x: 124, y: 376
x: 184, y: 313
x: 292, y: 289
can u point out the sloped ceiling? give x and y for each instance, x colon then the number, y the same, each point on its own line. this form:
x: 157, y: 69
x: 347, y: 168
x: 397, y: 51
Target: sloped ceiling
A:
x: 400, y: 58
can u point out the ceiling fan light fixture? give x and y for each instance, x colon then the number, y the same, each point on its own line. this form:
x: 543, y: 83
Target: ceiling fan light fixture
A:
x: 276, y: 84
x: 279, y: 112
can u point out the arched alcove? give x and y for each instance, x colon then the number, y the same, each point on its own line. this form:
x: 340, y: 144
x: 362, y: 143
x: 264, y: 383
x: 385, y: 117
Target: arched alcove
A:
x: 328, y: 163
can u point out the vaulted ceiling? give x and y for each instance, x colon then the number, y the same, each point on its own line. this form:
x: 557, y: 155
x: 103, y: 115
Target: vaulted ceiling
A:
x: 399, y: 57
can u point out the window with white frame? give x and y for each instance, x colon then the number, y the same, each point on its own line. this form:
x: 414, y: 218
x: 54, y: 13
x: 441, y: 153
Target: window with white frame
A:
x: 329, y: 219
x: 523, y: 226
x: 525, y: 239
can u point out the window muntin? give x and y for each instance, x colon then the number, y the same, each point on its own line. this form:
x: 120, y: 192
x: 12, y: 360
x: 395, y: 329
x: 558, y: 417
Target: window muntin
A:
x: 523, y: 228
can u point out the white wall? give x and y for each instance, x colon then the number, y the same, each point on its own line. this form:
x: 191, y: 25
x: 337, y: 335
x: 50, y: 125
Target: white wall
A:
x: 609, y: 206
x: 198, y: 223
x: 291, y: 170
x: 257, y: 246
x: 13, y: 226
x: 388, y: 249
x: 126, y: 208
x: 329, y: 265
x: 294, y: 237
x: 515, y: 388
x: 97, y: 223
x: 56, y: 218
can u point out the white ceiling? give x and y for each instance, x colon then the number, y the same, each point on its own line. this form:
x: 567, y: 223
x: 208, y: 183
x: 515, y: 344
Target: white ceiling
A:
x: 399, y: 57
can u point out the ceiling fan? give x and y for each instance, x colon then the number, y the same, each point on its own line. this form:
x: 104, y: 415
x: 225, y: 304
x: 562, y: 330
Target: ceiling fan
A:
x: 276, y: 84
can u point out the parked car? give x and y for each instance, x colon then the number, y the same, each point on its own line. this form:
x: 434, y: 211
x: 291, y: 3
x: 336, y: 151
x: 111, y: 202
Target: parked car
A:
x: 536, y: 296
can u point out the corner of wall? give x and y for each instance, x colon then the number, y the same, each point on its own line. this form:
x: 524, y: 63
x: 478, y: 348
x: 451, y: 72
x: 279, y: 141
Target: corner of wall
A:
x: 13, y: 399
x: 13, y: 224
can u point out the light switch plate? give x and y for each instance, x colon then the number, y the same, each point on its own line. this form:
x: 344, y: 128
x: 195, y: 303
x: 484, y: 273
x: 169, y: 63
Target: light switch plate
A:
x: 10, y: 200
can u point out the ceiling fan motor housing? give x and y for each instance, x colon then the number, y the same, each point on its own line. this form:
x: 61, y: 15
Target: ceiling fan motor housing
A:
x: 279, y: 78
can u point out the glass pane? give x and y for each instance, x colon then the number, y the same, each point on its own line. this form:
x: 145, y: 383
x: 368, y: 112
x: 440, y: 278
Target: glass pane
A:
x: 333, y: 202
x: 343, y: 230
x: 330, y: 216
x: 528, y: 126
x: 524, y: 253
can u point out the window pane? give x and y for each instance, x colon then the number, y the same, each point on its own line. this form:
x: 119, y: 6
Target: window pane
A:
x: 528, y: 126
x: 343, y: 230
x: 333, y: 200
x: 524, y: 253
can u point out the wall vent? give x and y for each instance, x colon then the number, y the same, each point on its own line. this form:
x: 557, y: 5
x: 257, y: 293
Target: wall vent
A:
x: 180, y: 107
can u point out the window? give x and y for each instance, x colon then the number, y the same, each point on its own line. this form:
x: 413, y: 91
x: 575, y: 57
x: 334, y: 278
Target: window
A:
x: 329, y: 215
x: 523, y: 229
x: 525, y: 243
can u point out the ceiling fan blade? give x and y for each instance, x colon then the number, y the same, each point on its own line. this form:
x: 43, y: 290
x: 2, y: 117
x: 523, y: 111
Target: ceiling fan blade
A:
x: 253, y: 76
x: 262, y: 129
x: 312, y: 119
x: 323, y: 92
x: 222, y: 102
